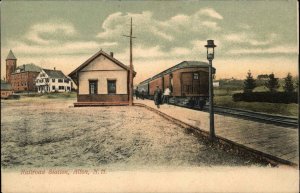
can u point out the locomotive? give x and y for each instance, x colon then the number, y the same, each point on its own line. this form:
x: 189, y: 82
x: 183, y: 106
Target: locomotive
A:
x: 188, y: 82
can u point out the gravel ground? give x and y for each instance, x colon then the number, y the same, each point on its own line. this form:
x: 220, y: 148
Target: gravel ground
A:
x: 52, y: 133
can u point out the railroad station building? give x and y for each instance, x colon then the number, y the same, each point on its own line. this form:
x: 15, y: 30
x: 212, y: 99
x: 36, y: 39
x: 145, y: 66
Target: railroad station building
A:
x: 102, y: 80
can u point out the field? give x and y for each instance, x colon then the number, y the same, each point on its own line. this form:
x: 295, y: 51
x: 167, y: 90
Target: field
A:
x: 42, y: 132
x: 223, y: 97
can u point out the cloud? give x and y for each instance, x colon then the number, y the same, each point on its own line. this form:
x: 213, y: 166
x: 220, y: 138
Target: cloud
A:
x: 242, y: 37
x: 38, y: 31
x: 180, y: 51
x: 250, y: 38
x: 180, y: 19
x: 212, y: 25
x: 150, y: 30
x: 272, y: 50
x: 245, y: 26
x: 74, y: 47
x: 63, y: 40
x: 141, y: 52
x: 211, y: 13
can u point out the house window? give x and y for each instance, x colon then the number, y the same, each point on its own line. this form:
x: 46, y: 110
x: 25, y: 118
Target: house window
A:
x: 68, y: 88
x: 93, y: 85
x: 196, y: 76
x: 111, y: 86
x: 60, y: 80
x: 61, y: 87
x: 53, y: 80
x: 53, y: 87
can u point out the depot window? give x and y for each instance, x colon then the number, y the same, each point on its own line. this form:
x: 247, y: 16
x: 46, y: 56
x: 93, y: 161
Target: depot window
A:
x: 111, y: 86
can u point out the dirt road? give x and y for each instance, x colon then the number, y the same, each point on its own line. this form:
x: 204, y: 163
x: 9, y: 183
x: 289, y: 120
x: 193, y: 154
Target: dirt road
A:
x: 52, y: 133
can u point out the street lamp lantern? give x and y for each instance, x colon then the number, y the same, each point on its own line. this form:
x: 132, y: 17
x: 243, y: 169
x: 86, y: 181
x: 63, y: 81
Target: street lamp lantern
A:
x: 210, y: 56
x: 210, y: 49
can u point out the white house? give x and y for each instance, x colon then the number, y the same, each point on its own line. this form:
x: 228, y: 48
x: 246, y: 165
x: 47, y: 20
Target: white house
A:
x: 216, y: 84
x: 102, y: 80
x: 53, y: 81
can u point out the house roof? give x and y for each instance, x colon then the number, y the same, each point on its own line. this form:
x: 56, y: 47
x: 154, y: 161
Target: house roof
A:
x: 5, y: 85
x: 11, y: 56
x: 28, y: 68
x: 54, y: 73
x: 94, y: 57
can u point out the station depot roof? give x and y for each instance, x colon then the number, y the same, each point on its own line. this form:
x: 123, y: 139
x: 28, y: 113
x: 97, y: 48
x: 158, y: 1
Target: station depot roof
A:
x: 183, y: 64
x: 73, y: 74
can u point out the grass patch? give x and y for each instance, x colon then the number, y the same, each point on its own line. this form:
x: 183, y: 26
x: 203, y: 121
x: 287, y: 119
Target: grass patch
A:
x: 272, y: 108
x: 63, y: 95
x: 37, y: 96
x: 226, y: 92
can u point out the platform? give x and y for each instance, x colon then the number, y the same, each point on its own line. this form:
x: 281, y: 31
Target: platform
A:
x: 275, y: 141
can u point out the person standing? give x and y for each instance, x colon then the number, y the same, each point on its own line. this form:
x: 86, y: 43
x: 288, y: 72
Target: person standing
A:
x: 143, y: 94
x: 136, y: 94
x: 157, y: 96
x: 167, y: 95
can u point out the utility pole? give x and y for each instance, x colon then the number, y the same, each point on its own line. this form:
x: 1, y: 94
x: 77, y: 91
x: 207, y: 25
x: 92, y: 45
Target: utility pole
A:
x: 131, y: 66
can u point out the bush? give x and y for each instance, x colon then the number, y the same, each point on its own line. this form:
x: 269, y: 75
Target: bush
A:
x: 269, y: 97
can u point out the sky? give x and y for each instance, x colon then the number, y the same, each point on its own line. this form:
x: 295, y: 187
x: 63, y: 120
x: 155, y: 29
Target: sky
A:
x: 260, y: 36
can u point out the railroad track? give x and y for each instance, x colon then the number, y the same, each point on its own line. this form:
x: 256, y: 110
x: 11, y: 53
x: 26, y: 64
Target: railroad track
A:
x: 263, y: 117
x: 249, y: 115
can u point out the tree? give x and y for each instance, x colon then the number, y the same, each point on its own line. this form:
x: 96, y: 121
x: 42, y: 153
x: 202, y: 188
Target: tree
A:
x: 297, y: 83
x: 249, y: 83
x: 272, y: 84
x: 288, y: 83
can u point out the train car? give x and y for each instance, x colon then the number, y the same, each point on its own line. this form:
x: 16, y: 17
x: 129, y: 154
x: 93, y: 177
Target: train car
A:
x: 188, y: 82
x: 143, y: 87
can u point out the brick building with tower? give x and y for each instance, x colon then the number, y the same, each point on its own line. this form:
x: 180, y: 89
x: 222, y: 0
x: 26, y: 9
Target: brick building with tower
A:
x: 11, y: 65
x: 22, y: 78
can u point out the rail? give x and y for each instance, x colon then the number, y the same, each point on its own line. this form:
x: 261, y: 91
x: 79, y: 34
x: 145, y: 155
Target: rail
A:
x: 275, y: 119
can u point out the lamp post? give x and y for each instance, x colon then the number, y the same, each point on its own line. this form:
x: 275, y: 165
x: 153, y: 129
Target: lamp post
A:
x: 210, y: 56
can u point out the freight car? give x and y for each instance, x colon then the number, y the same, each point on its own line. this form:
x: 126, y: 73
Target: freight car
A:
x: 188, y: 82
